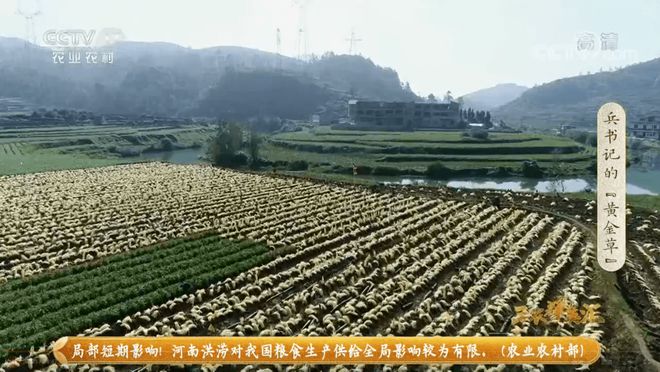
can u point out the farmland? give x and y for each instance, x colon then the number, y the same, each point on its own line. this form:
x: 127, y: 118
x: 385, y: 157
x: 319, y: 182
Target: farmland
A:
x: 411, y: 152
x: 21, y: 157
x: 72, y: 298
x: 45, y: 148
x: 207, y: 251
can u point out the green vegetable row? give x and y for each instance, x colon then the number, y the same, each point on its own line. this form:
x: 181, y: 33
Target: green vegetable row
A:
x: 102, y: 296
x: 51, y: 279
x: 92, y: 285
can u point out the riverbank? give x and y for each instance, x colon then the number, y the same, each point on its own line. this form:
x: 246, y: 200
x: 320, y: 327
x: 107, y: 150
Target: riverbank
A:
x: 648, y: 202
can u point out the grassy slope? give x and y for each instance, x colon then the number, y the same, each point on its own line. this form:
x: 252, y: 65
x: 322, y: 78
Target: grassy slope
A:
x: 29, y: 159
x: 29, y: 150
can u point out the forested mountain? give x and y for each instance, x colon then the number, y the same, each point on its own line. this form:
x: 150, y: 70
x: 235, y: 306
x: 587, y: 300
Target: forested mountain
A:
x: 168, y: 79
x: 576, y: 100
x: 262, y: 93
x: 360, y: 77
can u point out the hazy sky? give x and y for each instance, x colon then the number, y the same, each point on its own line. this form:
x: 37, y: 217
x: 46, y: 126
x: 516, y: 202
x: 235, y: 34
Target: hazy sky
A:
x: 436, y: 45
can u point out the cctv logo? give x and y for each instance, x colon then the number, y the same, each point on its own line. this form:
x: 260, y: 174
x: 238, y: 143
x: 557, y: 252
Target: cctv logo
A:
x: 83, y: 38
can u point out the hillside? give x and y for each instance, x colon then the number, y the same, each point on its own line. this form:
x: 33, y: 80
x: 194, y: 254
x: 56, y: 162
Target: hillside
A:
x: 360, y: 77
x: 168, y: 79
x: 576, y: 100
x: 260, y: 93
x: 493, y: 97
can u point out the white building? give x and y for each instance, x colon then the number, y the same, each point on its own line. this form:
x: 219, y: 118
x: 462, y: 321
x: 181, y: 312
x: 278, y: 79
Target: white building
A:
x: 647, y: 127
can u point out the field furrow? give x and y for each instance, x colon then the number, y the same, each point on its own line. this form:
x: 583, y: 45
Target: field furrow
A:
x: 154, y: 249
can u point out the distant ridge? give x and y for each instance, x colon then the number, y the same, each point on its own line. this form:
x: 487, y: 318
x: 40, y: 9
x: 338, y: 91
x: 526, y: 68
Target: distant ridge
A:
x: 493, y: 97
x: 576, y: 100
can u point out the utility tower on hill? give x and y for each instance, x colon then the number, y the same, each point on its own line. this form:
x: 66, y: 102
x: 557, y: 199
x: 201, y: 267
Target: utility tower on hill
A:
x: 303, y: 32
x: 352, y: 41
x: 29, y: 10
x: 278, y: 46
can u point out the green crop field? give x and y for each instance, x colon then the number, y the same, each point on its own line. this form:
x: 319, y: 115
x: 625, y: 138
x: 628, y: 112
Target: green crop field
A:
x: 45, y: 307
x: 327, y: 150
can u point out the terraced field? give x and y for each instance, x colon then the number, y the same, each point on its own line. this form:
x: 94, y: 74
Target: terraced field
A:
x: 412, y: 152
x: 46, y: 148
x: 11, y: 149
x: 341, y: 260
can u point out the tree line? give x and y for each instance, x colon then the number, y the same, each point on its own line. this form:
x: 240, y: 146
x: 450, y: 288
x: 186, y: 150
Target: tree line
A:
x: 476, y: 116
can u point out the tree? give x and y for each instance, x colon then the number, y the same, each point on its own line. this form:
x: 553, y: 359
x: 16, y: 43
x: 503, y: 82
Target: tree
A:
x: 480, y: 116
x: 448, y: 97
x: 531, y: 169
x: 437, y: 170
x: 253, y: 147
x: 479, y: 134
x: 557, y: 169
x: 224, y: 146
x: 166, y: 144
x: 488, y: 123
x: 470, y: 115
x: 431, y: 98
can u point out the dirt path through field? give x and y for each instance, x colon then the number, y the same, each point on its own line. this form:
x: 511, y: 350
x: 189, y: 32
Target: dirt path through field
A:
x: 629, y: 322
x: 637, y: 335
